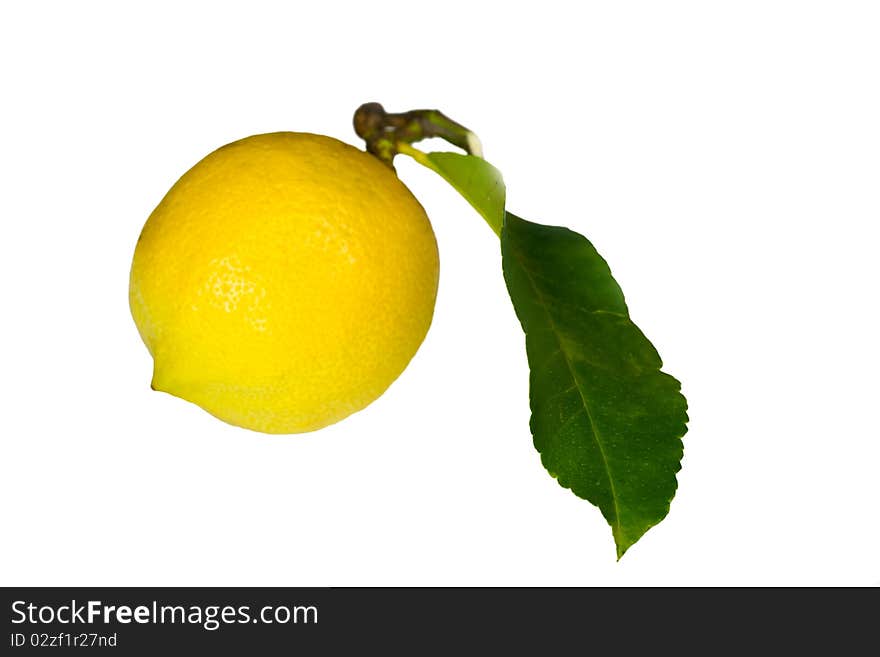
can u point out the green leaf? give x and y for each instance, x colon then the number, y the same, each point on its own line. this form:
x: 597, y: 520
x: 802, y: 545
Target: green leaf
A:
x: 606, y: 421
x: 478, y: 181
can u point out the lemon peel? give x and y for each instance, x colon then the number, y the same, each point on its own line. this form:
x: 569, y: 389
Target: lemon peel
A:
x: 284, y: 282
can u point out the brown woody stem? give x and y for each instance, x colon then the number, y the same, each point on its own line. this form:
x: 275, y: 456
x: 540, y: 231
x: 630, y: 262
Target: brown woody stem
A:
x: 384, y: 132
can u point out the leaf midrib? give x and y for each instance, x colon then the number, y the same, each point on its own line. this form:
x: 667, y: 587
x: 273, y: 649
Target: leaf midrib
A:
x: 568, y: 363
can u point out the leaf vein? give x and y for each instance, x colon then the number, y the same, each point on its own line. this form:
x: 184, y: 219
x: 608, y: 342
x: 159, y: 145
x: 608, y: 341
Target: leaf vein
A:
x: 595, y: 430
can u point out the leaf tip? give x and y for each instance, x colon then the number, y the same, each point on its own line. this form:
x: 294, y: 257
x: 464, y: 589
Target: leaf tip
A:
x: 624, y: 543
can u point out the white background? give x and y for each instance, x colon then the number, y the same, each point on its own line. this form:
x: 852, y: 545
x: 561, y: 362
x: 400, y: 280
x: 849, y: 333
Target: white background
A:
x: 724, y: 157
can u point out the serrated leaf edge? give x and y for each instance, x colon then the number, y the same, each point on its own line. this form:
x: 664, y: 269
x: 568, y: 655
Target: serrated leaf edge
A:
x: 621, y: 543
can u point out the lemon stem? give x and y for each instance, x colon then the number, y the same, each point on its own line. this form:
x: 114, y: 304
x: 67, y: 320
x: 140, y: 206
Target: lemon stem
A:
x: 385, y: 132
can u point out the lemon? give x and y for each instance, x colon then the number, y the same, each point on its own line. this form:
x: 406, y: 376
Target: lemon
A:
x: 284, y: 282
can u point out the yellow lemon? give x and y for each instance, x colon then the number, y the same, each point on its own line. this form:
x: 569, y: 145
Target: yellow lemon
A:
x: 284, y: 282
